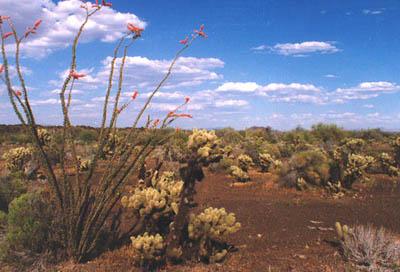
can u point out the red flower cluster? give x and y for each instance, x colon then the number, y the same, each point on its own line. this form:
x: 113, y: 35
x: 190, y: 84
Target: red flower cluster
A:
x: 7, y: 34
x: 2, y: 68
x: 200, y: 32
x: 17, y: 93
x: 134, y: 95
x: 32, y: 30
x: 185, y: 41
x: 155, y: 123
x: 103, y: 3
x: 76, y: 75
x: 135, y: 29
x: 3, y: 18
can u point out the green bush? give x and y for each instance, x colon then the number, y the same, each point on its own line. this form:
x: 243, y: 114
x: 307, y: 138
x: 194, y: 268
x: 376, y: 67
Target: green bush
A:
x: 87, y: 136
x: 28, y: 223
x: 11, y: 187
x: 311, y: 166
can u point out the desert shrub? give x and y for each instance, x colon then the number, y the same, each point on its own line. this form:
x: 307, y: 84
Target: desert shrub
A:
x: 17, y: 158
x: 369, y: 248
x: 3, y: 220
x: 230, y: 135
x: 148, y: 250
x: 87, y: 136
x: 245, y: 162
x: 28, y: 223
x: 208, y: 229
x: 238, y: 174
x: 311, y: 166
x: 266, y: 161
x: 11, y: 186
x: 327, y: 133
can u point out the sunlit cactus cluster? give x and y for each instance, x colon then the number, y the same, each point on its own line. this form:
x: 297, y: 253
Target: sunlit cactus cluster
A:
x: 351, y: 164
x: 396, y: 145
x: 147, y: 249
x: 17, y: 158
x: 44, y: 136
x: 388, y: 165
x: 245, y: 162
x: 83, y: 164
x: 237, y: 173
x: 114, y: 141
x: 342, y: 231
x: 212, y: 224
x: 356, y: 166
x: 162, y: 197
x: 267, y: 162
x: 205, y: 144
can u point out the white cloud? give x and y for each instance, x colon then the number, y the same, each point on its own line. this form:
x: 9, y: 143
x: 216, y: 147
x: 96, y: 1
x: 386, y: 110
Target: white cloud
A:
x: 238, y: 87
x: 61, y: 22
x: 367, y: 90
x: 368, y: 106
x: 300, y: 49
x: 282, y: 87
x: 373, y: 12
x: 231, y: 103
x: 330, y: 76
x: 144, y: 73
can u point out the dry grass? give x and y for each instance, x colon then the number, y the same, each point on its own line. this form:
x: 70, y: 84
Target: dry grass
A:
x: 372, y: 249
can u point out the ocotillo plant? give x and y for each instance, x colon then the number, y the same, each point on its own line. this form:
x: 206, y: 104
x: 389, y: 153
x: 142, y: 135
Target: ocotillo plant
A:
x: 84, y: 200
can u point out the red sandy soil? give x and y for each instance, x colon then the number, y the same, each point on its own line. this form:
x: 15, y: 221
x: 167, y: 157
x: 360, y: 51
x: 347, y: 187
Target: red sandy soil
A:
x: 282, y: 229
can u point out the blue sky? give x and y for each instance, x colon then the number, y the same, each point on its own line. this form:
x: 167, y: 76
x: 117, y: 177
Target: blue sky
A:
x: 277, y: 63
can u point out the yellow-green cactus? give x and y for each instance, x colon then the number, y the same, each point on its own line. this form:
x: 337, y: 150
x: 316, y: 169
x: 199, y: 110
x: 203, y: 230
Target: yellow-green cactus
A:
x: 147, y: 248
x: 162, y: 197
x: 245, y: 162
x: 205, y: 144
x: 212, y: 225
x: 356, y: 166
x: 267, y: 162
x: 388, y: 165
x: 44, y: 136
x: 238, y: 174
x: 17, y: 158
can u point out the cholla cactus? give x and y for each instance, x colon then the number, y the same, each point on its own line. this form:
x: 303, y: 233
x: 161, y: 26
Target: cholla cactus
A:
x: 354, y: 144
x: 267, y: 161
x: 148, y: 249
x: 114, y: 141
x: 301, y: 184
x: 387, y: 164
x: 396, y: 145
x: 245, y: 162
x: 355, y: 168
x: 17, y: 158
x: 212, y: 225
x: 44, y: 136
x: 342, y: 231
x: 162, y: 197
x: 83, y: 164
x: 239, y: 174
x: 205, y: 144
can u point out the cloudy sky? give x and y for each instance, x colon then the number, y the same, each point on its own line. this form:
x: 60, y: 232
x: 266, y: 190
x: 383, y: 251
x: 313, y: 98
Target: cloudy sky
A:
x: 281, y: 63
